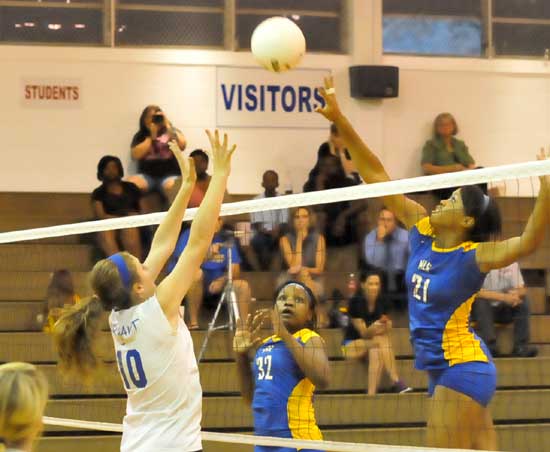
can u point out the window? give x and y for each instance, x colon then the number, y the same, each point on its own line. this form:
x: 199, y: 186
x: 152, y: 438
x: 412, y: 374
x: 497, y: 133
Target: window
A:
x: 170, y: 23
x: 432, y: 27
x: 521, y: 28
x: 72, y: 23
x: 319, y: 20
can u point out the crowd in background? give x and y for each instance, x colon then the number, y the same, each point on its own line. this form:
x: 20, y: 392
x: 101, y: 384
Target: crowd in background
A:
x: 294, y: 244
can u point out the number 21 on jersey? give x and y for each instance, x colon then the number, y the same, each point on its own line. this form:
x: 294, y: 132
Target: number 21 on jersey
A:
x: 420, y: 289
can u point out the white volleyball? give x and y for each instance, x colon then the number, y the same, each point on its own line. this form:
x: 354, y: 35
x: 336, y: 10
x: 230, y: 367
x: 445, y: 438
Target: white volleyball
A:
x: 278, y: 44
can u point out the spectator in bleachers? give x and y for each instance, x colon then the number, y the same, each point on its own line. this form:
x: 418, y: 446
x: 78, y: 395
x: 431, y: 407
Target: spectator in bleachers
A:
x: 386, y: 250
x: 59, y: 295
x: 268, y: 225
x: 211, y: 280
x: 337, y: 221
x: 444, y: 153
x: 335, y: 146
x: 304, y: 254
x: 503, y: 299
x: 115, y: 198
x: 203, y: 178
x: 368, y: 335
x: 23, y: 398
x: 157, y: 166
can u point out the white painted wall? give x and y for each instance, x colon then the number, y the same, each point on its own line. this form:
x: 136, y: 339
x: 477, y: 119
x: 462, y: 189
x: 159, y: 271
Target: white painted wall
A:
x: 503, y: 109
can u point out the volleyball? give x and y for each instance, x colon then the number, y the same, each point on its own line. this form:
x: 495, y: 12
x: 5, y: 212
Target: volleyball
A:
x: 278, y: 44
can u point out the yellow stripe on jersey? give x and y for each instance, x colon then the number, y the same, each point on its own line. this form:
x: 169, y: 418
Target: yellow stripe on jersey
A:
x: 301, y: 417
x: 425, y: 228
x: 459, y: 343
x: 304, y: 334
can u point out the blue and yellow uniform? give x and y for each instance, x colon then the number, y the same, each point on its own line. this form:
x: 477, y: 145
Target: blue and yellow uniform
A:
x: 442, y: 285
x: 283, y: 396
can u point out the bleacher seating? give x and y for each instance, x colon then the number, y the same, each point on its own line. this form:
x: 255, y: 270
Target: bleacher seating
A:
x: 521, y: 408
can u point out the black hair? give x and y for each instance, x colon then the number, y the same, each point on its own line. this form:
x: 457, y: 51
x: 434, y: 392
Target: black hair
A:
x: 104, y: 161
x: 309, y: 292
x: 485, y: 212
x: 270, y: 171
x: 143, y: 131
x: 366, y: 274
x: 200, y: 153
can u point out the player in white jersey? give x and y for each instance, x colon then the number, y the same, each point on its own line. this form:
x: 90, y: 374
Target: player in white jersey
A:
x: 154, y: 350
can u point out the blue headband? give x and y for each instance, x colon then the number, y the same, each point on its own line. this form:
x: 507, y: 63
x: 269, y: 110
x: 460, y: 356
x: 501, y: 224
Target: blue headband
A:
x: 122, y: 268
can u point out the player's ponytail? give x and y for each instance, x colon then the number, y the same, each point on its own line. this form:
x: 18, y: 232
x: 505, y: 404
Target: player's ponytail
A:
x: 23, y: 397
x: 485, y: 212
x: 76, y: 331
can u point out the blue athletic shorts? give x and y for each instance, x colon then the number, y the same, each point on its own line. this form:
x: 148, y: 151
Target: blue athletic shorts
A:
x: 476, y: 379
x: 281, y: 449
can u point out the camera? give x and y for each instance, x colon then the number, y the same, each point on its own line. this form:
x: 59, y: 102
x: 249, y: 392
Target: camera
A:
x: 158, y: 119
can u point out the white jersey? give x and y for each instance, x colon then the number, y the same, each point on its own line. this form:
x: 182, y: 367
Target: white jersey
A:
x: 159, y: 371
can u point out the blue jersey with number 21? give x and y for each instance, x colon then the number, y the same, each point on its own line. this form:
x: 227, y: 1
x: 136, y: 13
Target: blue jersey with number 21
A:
x: 442, y: 284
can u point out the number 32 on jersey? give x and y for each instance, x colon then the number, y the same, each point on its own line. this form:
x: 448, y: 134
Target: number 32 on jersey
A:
x: 420, y: 289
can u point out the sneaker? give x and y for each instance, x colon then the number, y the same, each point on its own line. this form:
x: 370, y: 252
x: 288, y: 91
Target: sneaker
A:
x: 525, y: 351
x: 401, y: 388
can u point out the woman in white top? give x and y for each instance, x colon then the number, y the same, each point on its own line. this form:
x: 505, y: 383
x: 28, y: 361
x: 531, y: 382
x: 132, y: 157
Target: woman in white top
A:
x: 154, y: 350
x: 23, y: 397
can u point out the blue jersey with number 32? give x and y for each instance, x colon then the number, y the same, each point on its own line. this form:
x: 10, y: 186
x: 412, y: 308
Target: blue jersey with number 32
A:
x: 442, y: 284
x: 283, y: 396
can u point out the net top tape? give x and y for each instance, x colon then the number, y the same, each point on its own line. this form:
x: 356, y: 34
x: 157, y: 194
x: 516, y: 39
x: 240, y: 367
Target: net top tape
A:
x: 402, y: 186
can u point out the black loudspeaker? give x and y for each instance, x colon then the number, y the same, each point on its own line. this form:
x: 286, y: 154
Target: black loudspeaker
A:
x: 374, y: 81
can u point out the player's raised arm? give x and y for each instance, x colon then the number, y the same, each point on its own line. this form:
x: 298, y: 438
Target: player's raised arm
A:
x: 247, y: 338
x: 172, y: 290
x: 491, y: 255
x: 167, y: 233
x: 368, y: 164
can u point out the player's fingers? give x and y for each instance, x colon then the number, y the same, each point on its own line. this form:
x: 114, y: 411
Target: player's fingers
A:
x: 210, y: 138
x: 217, y: 137
x: 225, y: 141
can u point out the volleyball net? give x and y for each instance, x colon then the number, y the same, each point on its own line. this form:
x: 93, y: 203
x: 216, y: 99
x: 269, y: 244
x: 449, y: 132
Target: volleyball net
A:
x: 350, y: 419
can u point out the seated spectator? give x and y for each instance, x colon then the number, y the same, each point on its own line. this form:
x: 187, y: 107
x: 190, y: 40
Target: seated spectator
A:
x: 115, y: 198
x: 386, y: 250
x: 59, y: 295
x: 304, y: 255
x: 337, y: 221
x: 335, y: 146
x: 23, y: 398
x: 212, y: 278
x: 268, y: 225
x: 157, y: 166
x: 368, y: 335
x: 502, y: 299
x: 203, y: 178
x: 444, y: 153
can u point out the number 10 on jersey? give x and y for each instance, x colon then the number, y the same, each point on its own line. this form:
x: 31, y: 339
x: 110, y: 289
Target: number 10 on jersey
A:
x: 420, y: 289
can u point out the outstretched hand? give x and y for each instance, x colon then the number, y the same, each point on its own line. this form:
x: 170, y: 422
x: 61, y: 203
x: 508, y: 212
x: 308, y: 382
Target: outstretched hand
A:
x: 187, y: 165
x: 543, y: 155
x: 248, y: 335
x: 331, y: 109
x: 221, y: 153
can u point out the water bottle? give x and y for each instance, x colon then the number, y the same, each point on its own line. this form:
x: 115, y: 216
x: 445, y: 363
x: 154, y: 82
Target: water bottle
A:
x: 352, y: 285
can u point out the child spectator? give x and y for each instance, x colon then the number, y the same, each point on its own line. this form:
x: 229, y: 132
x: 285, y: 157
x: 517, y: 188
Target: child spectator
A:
x: 203, y: 178
x: 115, y: 198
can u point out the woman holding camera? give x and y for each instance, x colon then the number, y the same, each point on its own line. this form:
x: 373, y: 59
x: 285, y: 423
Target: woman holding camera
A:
x: 157, y: 166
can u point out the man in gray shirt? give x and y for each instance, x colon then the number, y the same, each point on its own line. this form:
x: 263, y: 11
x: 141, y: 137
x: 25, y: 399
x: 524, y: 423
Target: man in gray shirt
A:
x: 502, y: 299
